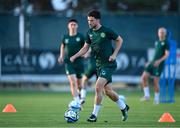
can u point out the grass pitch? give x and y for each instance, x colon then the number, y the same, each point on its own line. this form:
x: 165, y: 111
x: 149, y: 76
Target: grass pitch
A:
x: 46, y: 109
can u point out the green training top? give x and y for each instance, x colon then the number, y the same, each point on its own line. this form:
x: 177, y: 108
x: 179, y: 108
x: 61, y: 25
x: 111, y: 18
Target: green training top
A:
x: 160, y: 48
x: 72, y: 44
x: 101, y: 45
x: 92, y: 59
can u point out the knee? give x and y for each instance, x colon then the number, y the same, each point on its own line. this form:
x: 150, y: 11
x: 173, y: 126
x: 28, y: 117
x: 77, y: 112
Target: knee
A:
x: 156, y: 81
x: 107, y: 92
x: 98, y: 89
x: 85, y: 79
x: 72, y: 83
x: 144, y: 78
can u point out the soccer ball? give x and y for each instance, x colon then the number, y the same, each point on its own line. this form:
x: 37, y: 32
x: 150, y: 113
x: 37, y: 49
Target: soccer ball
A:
x: 71, y: 115
x: 75, y: 105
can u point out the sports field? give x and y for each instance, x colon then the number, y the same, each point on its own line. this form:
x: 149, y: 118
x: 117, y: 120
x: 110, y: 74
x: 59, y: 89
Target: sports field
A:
x: 46, y: 109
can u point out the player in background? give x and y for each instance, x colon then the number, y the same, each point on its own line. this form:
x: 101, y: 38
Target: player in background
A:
x: 71, y: 44
x: 91, y: 70
x: 99, y: 39
x: 156, y: 66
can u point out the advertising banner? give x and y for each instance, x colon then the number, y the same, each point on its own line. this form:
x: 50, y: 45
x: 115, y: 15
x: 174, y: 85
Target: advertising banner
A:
x: 42, y: 66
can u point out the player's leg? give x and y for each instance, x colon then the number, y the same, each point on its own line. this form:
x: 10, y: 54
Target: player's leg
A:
x: 111, y: 93
x: 88, y: 74
x: 144, y: 79
x: 79, y: 85
x: 72, y: 80
x: 83, y: 89
x: 157, y: 73
x: 156, y: 90
x: 98, y: 98
x: 79, y: 70
x: 120, y: 102
x: 73, y: 85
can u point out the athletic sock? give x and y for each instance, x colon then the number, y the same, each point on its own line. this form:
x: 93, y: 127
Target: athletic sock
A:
x: 156, y: 96
x: 121, y: 104
x: 146, y: 91
x: 83, y: 94
x: 76, y: 98
x: 96, y: 109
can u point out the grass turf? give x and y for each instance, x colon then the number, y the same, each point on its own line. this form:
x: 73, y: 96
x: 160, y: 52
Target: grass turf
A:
x: 46, y: 109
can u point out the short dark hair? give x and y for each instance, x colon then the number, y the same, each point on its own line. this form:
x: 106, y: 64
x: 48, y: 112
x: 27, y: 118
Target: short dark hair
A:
x: 73, y: 20
x: 94, y: 13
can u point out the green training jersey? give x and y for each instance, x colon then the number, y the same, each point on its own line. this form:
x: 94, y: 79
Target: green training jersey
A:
x: 92, y: 59
x: 72, y: 44
x: 101, y: 45
x: 160, y: 48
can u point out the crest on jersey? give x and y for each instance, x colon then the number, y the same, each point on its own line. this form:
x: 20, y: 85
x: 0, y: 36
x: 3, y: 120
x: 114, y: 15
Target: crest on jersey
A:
x: 162, y: 43
x: 66, y: 41
x: 77, y: 39
x: 103, y: 34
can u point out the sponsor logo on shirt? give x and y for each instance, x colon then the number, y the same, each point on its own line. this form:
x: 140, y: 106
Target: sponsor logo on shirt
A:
x: 103, y: 72
x: 90, y: 36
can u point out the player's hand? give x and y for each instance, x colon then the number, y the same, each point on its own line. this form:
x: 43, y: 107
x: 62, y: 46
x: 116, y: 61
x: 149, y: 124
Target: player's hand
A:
x: 112, y: 58
x: 60, y: 60
x: 156, y: 63
x: 72, y: 58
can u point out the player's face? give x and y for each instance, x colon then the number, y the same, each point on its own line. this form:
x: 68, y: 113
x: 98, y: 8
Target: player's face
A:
x: 162, y: 33
x: 93, y: 22
x: 72, y: 26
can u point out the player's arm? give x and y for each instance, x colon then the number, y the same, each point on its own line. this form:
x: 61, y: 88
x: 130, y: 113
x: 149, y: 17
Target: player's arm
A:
x: 61, y: 56
x: 158, y: 62
x: 118, y: 44
x: 87, y: 54
x: 81, y: 52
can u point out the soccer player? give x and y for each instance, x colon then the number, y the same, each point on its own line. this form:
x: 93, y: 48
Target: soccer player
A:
x: 99, y: 39
x: 156, y: 66
x: 91, y: 70
x: 71, y: 44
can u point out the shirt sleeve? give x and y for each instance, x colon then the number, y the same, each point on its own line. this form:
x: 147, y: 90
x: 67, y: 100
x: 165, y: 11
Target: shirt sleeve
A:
x: 82, y: 40
x: 63, y: 39
x: 112, y: 35
x: 167, y: 46
x: 88, y: 41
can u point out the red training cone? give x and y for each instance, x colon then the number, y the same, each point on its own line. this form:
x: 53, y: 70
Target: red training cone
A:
x: 9, y: 108
x: 166, y: 117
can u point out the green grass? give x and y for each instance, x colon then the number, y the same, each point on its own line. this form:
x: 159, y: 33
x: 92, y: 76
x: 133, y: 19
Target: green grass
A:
x: 46, y: 109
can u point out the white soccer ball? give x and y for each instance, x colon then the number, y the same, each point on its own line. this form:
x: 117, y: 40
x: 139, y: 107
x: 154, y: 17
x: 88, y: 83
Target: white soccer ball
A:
x: 74, y: 105
x: 71, y: 115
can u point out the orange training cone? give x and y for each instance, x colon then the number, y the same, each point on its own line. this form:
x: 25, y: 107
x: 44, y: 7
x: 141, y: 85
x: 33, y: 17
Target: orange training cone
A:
x: 9, y: 108
x: 166, y: 117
